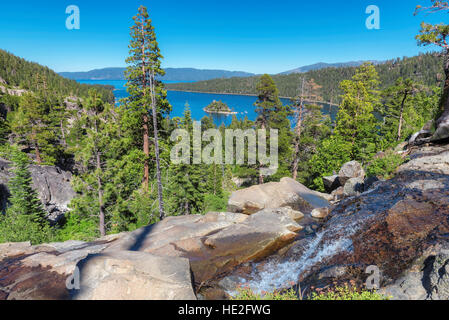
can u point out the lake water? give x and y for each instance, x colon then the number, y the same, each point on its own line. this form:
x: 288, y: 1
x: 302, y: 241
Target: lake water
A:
x: 243, y: 105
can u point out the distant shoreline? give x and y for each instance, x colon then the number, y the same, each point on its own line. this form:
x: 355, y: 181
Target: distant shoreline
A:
x: 221, y: 112
x: 248, y: 95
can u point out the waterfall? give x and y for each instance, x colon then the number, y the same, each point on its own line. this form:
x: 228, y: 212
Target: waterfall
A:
x: 333, y: 240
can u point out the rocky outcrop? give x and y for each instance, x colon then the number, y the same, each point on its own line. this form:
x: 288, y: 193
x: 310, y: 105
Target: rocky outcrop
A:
x: 40, y: 272
x: 349, y: 181
x: 169, y: 260
x: 350, y: 170
x: 13, y: 92
x: 400, y: 225
x: 127, y: 275
x: 354, y: 187
x: 442, y: 130
x: 217, y: 242
x: 286, y: 193
x: 426, y: 279
x: 331, y: 183
x: 52, y: 185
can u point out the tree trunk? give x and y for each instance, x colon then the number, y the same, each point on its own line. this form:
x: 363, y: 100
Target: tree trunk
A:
x: 146, y: 131
x: 401, y: 117
x: 64, y: 142
x: 102, y: 226
x: 298, y: 131
x: 261, y: 180
x: 38, y: 153
x: 156, y: 147
x: 442, y: 122
x: 444, y: 103
x: 146, y: 151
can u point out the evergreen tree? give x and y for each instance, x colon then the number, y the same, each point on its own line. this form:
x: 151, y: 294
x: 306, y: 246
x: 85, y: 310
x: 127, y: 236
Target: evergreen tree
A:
x: 188, y: 181
x: 437, y: 35
x: 315, y: 128
x: 31, y: 123
x: 92, y: 146
x: 25, y: 217
x: 272, y: 114
x: 396, y: 110
x: 147, y: 94
x: 307, y: 92
x: 356, y: 123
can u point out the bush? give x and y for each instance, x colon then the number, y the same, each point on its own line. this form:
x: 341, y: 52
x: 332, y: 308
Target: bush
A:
x: 384, y: 167
x: 338, y: 293
x: 214, y: 203
x: 246, y: 293
x: 77, y: 228
x: 346, y: 293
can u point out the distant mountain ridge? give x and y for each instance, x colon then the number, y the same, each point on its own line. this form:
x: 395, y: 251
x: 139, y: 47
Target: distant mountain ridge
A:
x: 172, y: 74
x: 323, y: 65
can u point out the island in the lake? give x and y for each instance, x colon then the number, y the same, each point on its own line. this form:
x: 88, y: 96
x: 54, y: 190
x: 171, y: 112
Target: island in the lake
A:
x: 219, y: 107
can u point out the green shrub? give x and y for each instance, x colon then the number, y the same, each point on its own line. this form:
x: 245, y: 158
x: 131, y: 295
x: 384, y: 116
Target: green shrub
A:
x: 384, y: 167
x: 215, y: 203
x: 77, y: 228
x: 246, y: 293
x: 346, y: 293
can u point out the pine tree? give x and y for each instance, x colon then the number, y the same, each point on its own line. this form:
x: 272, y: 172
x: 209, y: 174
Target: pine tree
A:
x: 438, y: 35
x: 396, y: 108
x: 356, y: 123
x: 31, y: 123
x: 147, y: 94
x: 307, y: 92
x: 25, y: 217
x: 188, y: 181
x: 272, y: 114
x: 93, y: 144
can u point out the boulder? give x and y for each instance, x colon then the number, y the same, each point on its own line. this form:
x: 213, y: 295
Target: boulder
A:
x: 320, y: 213
x: 286, y: 193
x: 421, y: 137
x: 428, y: 159
x: 40, y: 272
x: 353, y: 187
x: 350, y: 170
x: 331, y: 183
x: 442, y: 131
x: 259, y: 236
x: 370, y: 183
x: 426, y: 279
x: 52, y: 184
x: 338, y: 194
x: 175, y: 229
x: 127, y: 275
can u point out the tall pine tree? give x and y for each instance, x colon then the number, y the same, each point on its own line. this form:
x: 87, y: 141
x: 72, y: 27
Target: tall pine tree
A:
x: 146, y: 94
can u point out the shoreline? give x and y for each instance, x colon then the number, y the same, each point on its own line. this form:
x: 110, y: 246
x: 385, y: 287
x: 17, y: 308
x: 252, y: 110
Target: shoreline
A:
x: 249, y: 95
x: 220, y: 112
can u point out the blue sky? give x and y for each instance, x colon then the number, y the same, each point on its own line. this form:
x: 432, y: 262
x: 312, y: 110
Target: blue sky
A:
x: 247, y: 35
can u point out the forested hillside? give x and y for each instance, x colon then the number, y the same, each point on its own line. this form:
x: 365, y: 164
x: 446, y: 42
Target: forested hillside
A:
x: 171, y: 74
x: 425, y: 68
x: 17, y: 72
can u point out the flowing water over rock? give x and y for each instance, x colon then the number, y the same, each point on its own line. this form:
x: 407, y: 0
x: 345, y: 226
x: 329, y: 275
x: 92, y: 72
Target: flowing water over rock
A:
x: 389, y: 226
